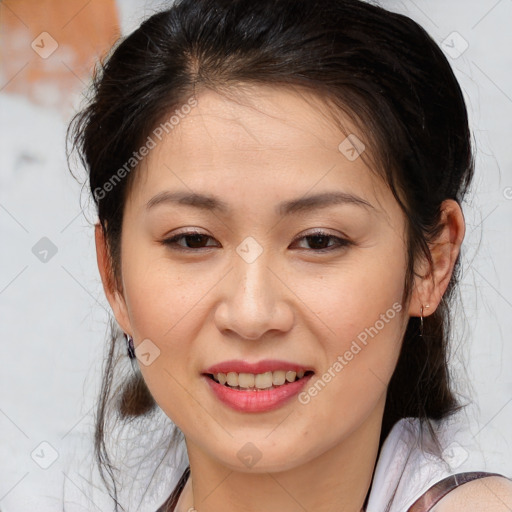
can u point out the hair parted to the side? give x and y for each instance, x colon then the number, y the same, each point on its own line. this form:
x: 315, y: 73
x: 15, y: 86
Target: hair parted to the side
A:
x: 379, y: 68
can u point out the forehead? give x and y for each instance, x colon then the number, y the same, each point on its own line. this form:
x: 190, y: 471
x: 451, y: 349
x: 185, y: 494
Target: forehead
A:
x: 258, y: 142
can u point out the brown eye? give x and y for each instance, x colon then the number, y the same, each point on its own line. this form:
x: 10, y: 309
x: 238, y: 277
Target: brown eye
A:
x: 193, y: 240
x: 320, y: 241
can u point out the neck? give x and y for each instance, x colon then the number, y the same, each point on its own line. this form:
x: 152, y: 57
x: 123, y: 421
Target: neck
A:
x: 336, y: 480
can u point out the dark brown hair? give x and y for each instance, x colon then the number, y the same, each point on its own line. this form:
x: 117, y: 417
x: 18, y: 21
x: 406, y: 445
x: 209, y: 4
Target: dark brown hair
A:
x: 380, y: 68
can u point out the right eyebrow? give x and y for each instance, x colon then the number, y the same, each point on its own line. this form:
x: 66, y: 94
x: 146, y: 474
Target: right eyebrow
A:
x: 201, y: 201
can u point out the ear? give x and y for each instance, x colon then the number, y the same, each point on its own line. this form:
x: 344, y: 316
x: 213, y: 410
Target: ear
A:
x: 114, y: 296
x: 430, y: 283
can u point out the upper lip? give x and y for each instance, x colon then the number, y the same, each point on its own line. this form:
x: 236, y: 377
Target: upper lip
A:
x: 267, y: 365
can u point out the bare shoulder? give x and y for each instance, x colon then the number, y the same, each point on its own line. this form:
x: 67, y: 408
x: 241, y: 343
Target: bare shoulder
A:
x: 490, y: 494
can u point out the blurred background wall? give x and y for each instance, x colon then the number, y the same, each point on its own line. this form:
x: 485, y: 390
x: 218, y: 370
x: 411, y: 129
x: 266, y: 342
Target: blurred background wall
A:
x: 53, y: 312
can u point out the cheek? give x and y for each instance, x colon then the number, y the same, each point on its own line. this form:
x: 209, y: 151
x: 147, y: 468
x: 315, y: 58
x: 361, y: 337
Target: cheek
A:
x: 161, y: 293
x: 169, y: 304
x: 362, y: 325
x: 351, y: 298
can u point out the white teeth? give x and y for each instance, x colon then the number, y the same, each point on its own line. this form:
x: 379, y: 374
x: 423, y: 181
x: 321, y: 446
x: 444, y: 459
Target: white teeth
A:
x: 232, y: 379
x: 278, y: 378
x: 263, y: 380
x: 260, y: 381
x: 246, y: 380
x: 290, y: 376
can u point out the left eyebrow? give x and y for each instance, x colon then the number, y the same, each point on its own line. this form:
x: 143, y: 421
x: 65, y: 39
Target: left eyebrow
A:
x: 293, y: 206
x: 322, y: 200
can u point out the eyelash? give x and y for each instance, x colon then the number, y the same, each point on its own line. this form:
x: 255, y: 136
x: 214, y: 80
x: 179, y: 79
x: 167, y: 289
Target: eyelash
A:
x: 172, y: 242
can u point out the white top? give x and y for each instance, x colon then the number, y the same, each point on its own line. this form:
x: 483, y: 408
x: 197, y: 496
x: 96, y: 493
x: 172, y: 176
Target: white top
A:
x: 410, y: 463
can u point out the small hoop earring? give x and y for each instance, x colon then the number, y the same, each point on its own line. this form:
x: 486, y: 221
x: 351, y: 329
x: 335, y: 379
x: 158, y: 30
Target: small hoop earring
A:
x: 129, y: 346
x: 421, y: 318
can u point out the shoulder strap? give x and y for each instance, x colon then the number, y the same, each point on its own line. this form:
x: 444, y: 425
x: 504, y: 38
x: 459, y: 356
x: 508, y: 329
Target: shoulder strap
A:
x: 434, y: 494
x: 172, y: 500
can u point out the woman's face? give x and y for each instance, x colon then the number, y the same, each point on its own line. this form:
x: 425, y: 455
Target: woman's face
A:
x: 256, y: 287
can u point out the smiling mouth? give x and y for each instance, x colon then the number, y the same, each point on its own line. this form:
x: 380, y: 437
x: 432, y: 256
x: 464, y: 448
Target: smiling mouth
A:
x: 258, y: 382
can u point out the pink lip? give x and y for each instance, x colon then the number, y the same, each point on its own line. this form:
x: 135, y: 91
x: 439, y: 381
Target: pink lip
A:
x: 268, y: 365
x: 256, y: 401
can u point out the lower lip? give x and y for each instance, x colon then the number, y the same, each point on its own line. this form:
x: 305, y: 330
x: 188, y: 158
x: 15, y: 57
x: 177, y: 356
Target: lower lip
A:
x: 257, y: 401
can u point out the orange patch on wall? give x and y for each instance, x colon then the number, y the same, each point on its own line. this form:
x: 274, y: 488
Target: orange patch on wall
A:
x: 48, y: 48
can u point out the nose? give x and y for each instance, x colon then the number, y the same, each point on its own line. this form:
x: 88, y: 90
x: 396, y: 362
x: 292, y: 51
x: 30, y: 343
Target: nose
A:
x: 254, y: 301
